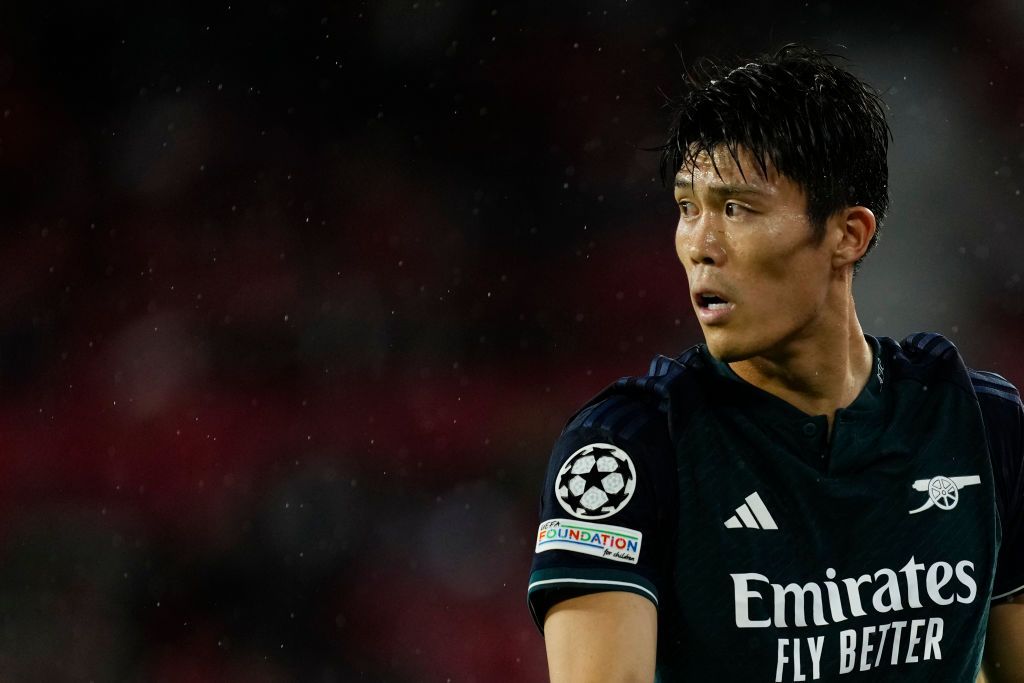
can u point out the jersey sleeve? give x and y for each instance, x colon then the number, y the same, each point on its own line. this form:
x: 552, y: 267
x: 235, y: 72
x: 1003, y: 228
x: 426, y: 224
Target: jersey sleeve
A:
x: 606, y: 508
x: 1004, y: 425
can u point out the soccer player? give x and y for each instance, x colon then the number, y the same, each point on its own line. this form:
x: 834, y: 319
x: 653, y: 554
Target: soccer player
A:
x: 792, y: 500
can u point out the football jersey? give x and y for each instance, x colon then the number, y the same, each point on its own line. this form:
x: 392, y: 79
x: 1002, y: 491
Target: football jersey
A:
x: 775, y: 551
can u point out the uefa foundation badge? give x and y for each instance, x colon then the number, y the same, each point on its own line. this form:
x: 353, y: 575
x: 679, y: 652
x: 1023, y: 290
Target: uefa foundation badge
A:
x: 595, y: 482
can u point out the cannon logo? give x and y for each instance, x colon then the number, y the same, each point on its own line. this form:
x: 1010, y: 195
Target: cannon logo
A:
x: 943, y: 492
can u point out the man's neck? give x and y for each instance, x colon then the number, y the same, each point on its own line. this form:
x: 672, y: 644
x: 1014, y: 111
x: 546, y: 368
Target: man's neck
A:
x: 819, y: 374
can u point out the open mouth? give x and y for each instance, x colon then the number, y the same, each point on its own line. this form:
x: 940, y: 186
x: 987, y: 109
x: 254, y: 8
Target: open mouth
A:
x: 712, y: 302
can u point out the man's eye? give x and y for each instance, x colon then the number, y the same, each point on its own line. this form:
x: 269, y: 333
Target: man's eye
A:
x: 687, y: 208
x: 732, y: 209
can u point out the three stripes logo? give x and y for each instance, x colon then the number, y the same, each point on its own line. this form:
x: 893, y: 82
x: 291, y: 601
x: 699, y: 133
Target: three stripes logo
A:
x: 751, y: 515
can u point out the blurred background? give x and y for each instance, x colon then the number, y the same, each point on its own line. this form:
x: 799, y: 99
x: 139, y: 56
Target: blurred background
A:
x: 295, y: 298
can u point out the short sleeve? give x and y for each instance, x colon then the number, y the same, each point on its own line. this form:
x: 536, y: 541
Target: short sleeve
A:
x: 1004, y: 425
x: 606, y: 507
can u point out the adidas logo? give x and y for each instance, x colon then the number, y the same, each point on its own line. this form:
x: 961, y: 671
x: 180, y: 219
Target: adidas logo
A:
x: 751, y: 515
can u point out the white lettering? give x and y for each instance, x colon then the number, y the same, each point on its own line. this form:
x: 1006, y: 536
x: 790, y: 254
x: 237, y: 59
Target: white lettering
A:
x: 883, y: 629
x: 815, y: 645
x: 797, y: 675
x: 910, y: 569
x: 866, y: 647
x: 891, y: 588
x: 897, y: 629
x: 781, y: 659
x: 935, y: 582
x: 743, y: 594
x: 931, y: 639
x: 853, y: 593
x: 835, y: 603
x: 847, y: 650
x: 802, y: 605
x: 967, y: 580
x: 913, y: 640
x: 798, y: 593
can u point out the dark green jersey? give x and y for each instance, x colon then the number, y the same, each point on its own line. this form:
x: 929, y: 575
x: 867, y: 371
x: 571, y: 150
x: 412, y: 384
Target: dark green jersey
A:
x: 777, y: 552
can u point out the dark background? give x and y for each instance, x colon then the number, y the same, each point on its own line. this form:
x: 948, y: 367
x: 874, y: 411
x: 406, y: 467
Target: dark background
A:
x: 295, y: 298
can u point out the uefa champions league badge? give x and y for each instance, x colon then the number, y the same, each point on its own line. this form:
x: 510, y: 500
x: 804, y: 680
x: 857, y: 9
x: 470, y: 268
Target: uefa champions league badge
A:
x: 595, y: 482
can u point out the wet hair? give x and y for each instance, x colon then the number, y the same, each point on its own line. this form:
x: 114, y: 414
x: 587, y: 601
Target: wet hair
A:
x: 796, y: 111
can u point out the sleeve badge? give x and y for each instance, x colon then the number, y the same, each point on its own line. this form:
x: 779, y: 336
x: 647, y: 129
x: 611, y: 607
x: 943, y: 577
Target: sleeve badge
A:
x: 595, y: 482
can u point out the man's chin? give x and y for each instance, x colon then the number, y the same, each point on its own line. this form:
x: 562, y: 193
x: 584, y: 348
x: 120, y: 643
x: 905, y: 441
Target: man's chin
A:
x: 726, y: 347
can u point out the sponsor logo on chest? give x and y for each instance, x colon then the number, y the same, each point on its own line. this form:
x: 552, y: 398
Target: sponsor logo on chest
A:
x: 762, y: 603
x: 833, y: 625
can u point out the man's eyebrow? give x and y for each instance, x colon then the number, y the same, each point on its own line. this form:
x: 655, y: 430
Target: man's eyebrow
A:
x: 723, y: 189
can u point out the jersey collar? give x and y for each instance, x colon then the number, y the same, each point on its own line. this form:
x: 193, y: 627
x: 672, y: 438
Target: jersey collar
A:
x: 803, y: 433
x: 868, y: 400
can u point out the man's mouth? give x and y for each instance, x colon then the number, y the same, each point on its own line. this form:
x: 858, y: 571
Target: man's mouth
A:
x: 712, y: 302
x: 712, y: 307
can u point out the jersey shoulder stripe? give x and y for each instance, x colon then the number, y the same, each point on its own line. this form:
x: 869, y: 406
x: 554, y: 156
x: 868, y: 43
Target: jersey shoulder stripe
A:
x: 930, y: 344
x: 994, y: 384
x: 659, y: 377
x: 629, y: 404
x: 612, y: 415
x: 689, y: 356
x: 928, y: 357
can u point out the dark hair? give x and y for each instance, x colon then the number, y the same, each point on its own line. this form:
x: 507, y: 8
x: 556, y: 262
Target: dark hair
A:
x: 813, y: 121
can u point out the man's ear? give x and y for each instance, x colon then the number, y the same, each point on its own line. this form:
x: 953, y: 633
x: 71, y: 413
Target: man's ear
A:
x: 856, y: 227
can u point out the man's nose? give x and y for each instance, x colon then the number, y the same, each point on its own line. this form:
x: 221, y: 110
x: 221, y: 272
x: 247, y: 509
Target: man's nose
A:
x: 705, y: 241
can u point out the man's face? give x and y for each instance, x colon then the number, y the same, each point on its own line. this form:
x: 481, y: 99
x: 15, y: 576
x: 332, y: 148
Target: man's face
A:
x: 758, y: 276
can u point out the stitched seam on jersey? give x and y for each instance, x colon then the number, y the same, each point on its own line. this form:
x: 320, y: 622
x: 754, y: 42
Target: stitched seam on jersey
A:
x: 1010, y: 592
x: 992, y: 391
x: 593, y: 582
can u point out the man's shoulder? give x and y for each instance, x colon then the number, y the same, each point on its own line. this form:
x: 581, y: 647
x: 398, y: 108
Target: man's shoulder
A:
x: 992, y: 384
x: 931, y: 356
x: 633, y: 404
x: 927, y: 358
x: 924, y: 356
x: 930, y: 359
